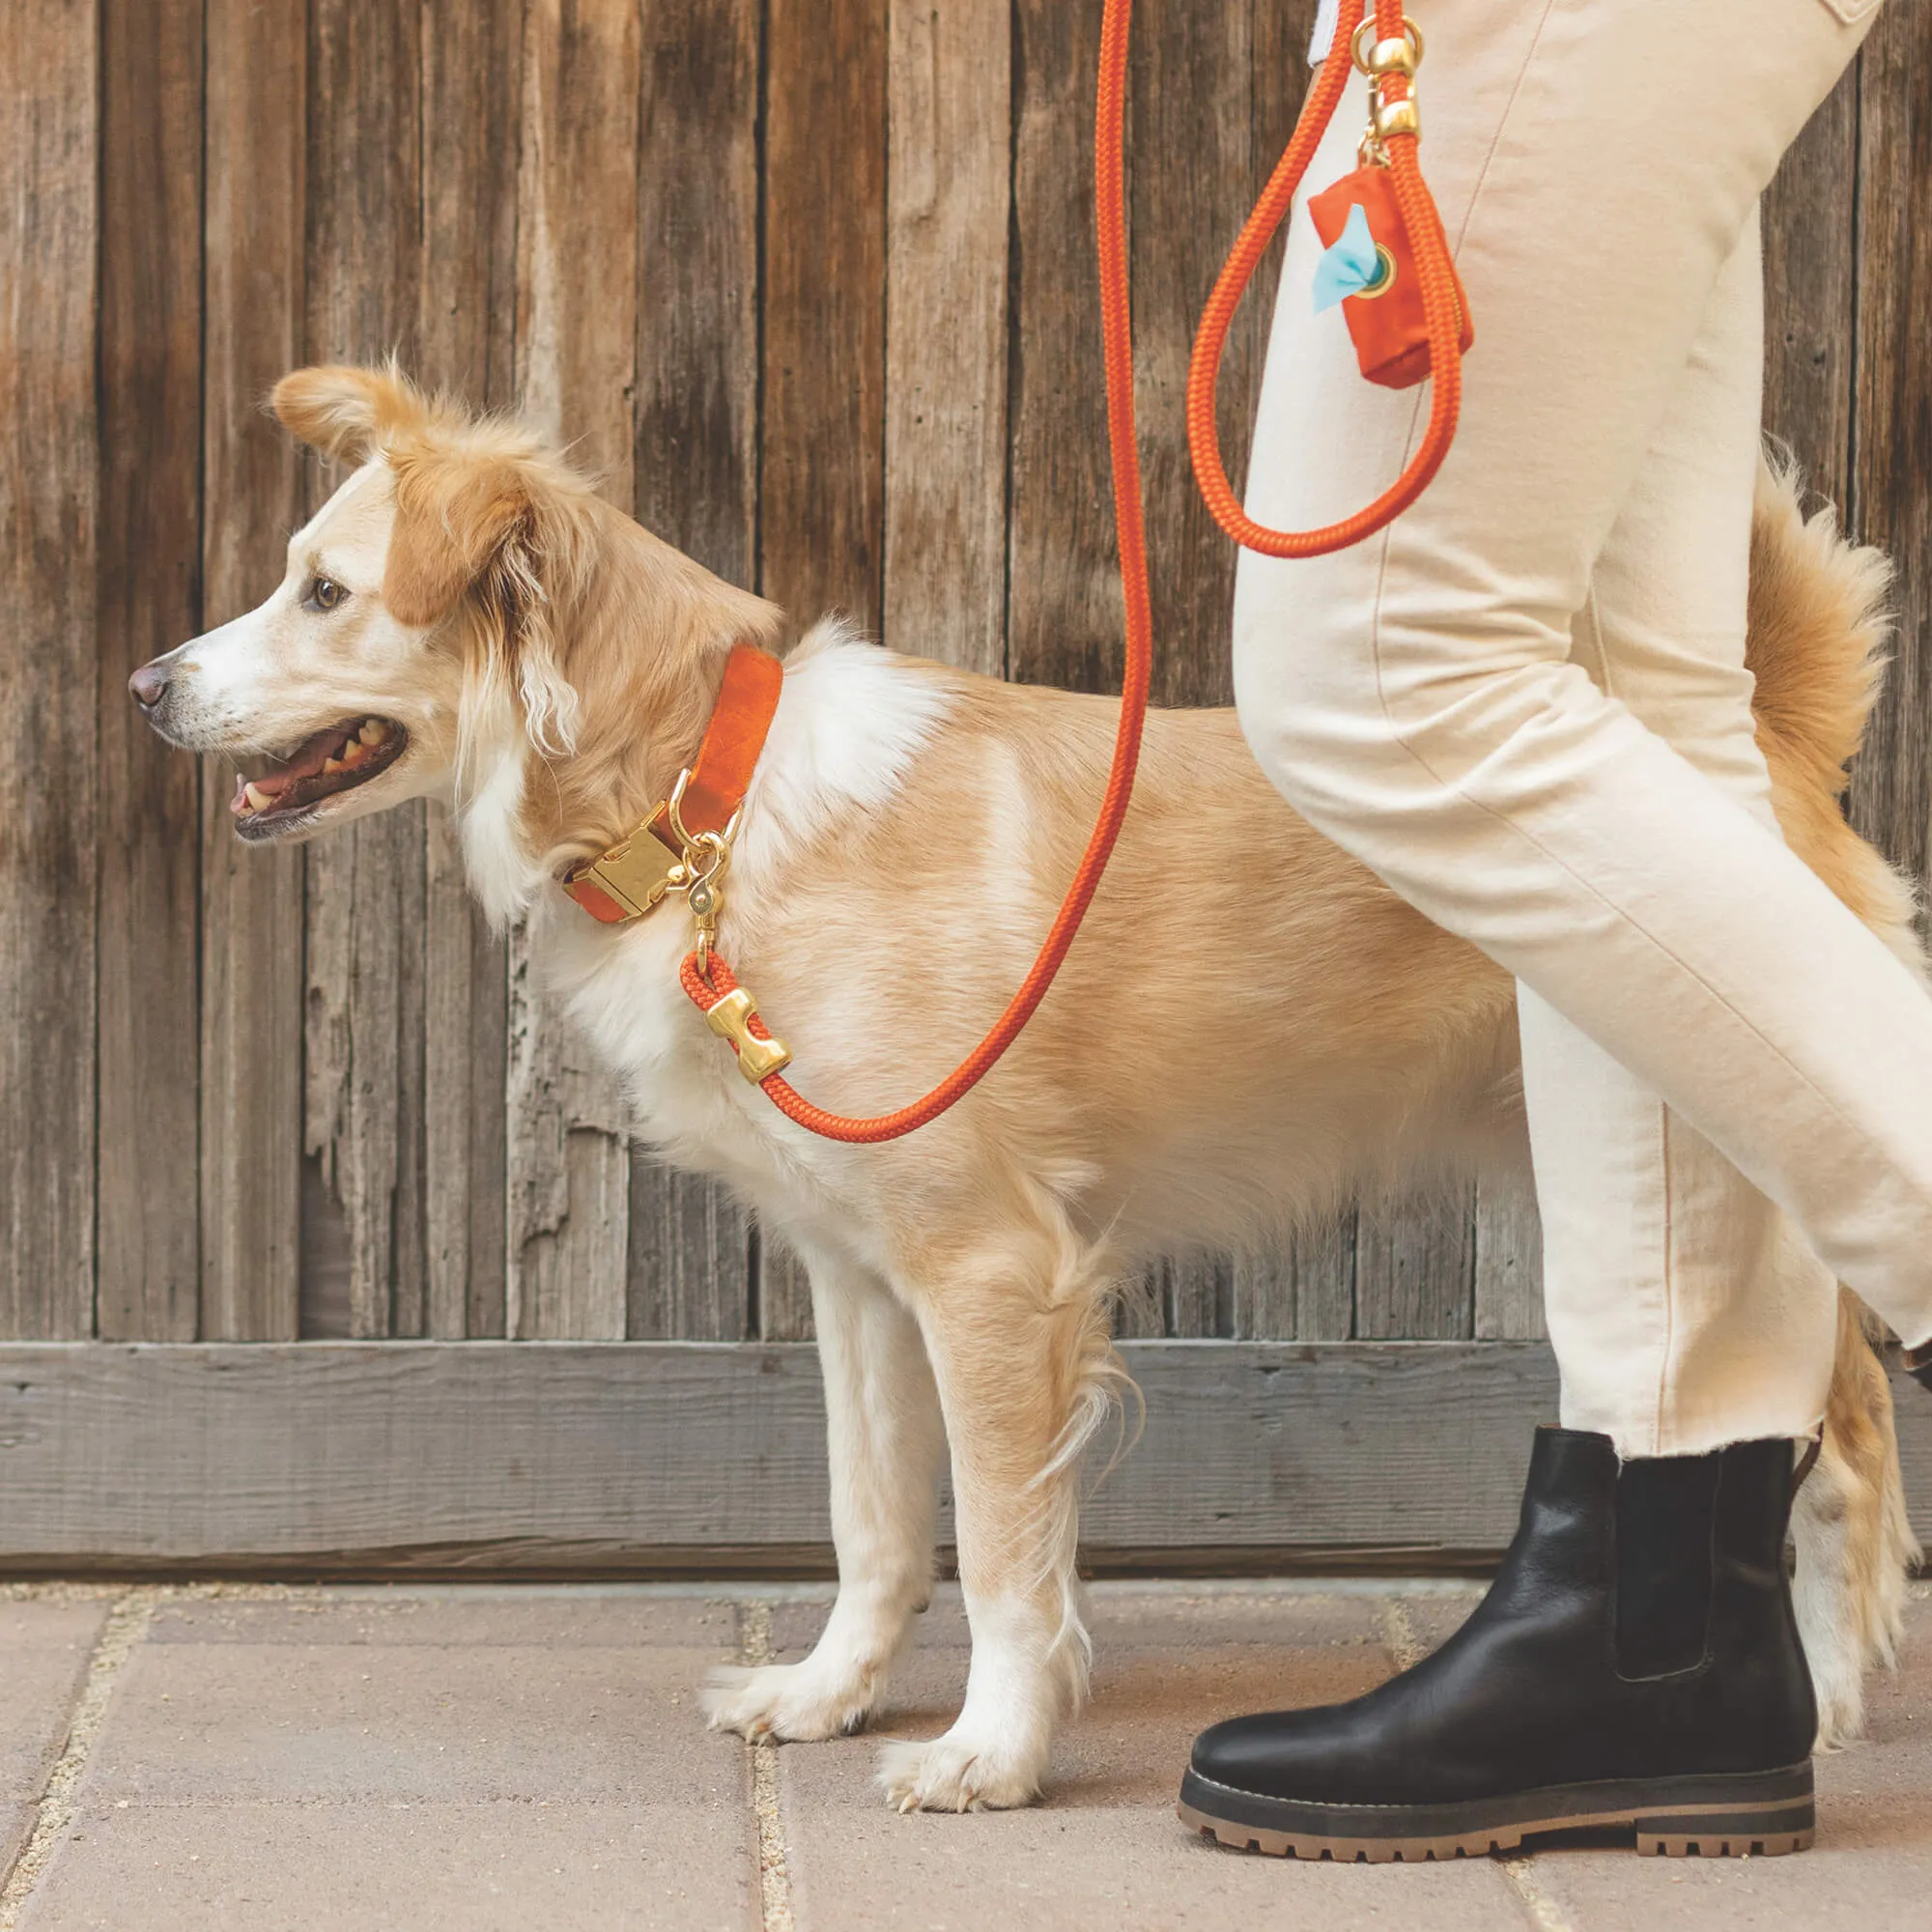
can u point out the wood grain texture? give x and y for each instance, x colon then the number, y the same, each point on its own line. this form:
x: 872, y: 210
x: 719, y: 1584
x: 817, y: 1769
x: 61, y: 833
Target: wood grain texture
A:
x: 148, y: 601
x: 784, y: 1291
x: 577, y: 330
x: 251, y: 920
x: 697, y: 485
x: 49, y: 227
x: 1810, y: 279
x: 1064, y: 598
x: 1891, y: 499
x: 363, y: 1045
x: 823, y: 492
x: 466, y: 326
x: 1192, y: 118
x: 1416, y: 1269
x: 948, y: 200
x: 1508, y: 1260
x: 688, y: 1259
x: 640, y: 1455
x: 196, y: 1451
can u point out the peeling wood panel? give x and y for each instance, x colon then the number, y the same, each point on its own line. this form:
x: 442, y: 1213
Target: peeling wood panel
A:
x: 948, y: 199
x: 823, y: 508
x: 251, y: 954
x: 149, y: 600
x: 697, y: 486
x: 568, y: 1195
x: 471, y: 100
x: 49, y: 218
x: 363, y: 1093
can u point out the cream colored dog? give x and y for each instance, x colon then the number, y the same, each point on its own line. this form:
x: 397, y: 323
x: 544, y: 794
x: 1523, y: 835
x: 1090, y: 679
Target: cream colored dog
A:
x: 1249, y: 1028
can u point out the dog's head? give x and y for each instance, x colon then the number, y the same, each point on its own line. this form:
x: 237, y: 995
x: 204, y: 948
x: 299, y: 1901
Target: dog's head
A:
x: 413, y: 623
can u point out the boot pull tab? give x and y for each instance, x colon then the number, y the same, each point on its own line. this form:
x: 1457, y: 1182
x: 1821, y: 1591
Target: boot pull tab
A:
x: 1807, y: 1462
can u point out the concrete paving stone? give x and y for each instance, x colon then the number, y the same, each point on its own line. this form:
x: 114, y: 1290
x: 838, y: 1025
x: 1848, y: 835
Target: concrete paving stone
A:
x: 387, y: 1867
x: 194, y: 1723
x: 16, y: 1822
x: 551, y: 1619
x: 43, y: 1653
x: 1870, y: 1868
x: 1105, y: 1850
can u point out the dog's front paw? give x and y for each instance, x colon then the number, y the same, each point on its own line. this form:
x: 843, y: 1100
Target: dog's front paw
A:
x: 958, y: 1773
x: 795, y: 1702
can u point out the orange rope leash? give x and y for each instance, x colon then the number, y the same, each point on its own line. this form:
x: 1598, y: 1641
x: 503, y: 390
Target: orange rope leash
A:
x: 714, y: 980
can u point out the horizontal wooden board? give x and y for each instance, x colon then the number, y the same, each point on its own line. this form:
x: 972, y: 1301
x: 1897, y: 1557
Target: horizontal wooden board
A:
x: 642, y: 1457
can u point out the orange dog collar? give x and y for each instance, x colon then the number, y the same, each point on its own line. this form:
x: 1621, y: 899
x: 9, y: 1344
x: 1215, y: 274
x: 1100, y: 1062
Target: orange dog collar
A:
x: 627, y: 880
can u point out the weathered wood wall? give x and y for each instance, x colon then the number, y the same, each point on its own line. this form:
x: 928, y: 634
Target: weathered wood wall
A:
x: 808, y: 283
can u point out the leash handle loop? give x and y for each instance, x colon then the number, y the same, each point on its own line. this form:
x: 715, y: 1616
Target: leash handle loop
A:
x: 1393, y: 80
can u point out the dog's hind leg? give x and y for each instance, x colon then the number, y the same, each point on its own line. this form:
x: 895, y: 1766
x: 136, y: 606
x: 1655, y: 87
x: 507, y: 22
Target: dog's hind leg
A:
x: 1854, y: 1542
x: 886, y: 1443
x: 1019, y: 1343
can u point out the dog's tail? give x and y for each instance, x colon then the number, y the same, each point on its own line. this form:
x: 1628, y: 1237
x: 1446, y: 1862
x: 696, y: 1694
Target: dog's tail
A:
x: 1817, y: 649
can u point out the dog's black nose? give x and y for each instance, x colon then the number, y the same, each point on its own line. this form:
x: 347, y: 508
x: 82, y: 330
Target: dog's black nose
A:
x: 149, y: 685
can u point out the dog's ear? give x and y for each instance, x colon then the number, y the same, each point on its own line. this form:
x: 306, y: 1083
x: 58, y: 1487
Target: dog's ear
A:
x: 454, y: 515
x: 495, y: 525
x: 348, y: 414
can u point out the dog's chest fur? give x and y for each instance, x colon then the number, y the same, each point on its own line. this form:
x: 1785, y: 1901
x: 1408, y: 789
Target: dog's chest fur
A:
x: 851, y: 719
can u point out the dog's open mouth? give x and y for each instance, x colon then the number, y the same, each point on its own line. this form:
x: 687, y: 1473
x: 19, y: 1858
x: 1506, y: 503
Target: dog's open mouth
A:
x: 333, y: 760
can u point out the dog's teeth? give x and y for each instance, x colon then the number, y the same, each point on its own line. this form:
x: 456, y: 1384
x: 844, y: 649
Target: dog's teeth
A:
x: 373, y: 731
x: 334, y: 765
x: 355, y: 753
x: 260, y: 800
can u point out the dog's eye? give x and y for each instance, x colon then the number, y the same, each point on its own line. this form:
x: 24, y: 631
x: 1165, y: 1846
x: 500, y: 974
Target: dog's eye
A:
x: 325, y: 594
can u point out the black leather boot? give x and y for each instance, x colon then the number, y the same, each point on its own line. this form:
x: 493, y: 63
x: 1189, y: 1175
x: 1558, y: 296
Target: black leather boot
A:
x: 1919, y: 1365
x: 1635, y: 1663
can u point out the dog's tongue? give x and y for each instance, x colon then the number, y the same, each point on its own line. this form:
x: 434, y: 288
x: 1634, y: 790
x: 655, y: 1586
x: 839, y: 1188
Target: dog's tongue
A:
x: 305, y: 762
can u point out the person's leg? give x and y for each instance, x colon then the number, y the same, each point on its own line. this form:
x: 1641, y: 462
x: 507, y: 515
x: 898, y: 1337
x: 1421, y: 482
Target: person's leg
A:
x: 1427, y: 700
x: 1684, y: 1308
x: 1597, y: 163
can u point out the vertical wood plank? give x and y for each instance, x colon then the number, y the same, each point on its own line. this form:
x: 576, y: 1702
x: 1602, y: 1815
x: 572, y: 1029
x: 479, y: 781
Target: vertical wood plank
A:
x: 1414, y: 1269
x: 252, y: 958
x: 472, y: 98
x: 1811, y: 278
x: 49, y: 218
x: 577, y: 294
x: 948, y: 195
x: 1063, y: 612
x: 1192, y: 116
x: 362, y: 1124
x: 823, y: 503
x: 697, y: 470
x: 1508, y: 1260
x: 784, y: 1290
x: 1892, y: 436
x: 149, y: 800
x: 688, y: 1259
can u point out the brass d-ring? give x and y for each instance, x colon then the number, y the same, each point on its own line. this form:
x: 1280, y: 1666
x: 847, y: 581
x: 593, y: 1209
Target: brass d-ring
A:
x: 1375, y: 58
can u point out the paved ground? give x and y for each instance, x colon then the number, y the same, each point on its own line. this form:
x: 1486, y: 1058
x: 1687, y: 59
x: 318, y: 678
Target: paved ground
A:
x: 475, y: 1758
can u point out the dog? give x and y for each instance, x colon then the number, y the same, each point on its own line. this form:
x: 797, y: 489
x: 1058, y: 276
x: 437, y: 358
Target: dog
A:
x: 1250, y: 1029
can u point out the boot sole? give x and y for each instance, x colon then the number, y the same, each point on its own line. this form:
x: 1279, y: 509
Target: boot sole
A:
x: 1761, y: 1814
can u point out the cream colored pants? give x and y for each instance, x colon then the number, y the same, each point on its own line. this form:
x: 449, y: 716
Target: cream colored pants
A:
x: 1525, y: 708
